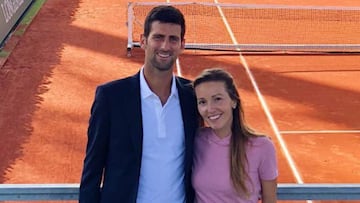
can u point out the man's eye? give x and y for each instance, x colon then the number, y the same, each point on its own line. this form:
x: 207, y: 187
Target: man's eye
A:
x: 174, y: 39
x: 157, y: 37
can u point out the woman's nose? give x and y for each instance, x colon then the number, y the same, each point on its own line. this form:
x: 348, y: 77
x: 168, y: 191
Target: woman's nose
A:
x: 210, y: 107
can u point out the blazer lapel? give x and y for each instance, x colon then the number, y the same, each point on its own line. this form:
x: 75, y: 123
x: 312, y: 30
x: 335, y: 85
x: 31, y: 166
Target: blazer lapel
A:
x: 188, y: 107
x: 134, y: 113
x: 188, y: 110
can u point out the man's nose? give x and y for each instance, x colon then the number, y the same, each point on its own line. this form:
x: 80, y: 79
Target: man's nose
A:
x: 165, y: 44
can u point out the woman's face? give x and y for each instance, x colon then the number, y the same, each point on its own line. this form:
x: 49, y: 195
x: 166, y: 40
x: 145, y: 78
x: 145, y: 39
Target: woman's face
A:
x: 215, y: 106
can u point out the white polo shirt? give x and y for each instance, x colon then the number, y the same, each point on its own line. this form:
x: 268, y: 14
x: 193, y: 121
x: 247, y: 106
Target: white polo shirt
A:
x: 162, y: 164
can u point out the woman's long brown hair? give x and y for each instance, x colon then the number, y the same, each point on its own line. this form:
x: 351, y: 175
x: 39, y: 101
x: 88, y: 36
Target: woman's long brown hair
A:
x: 240, y: 131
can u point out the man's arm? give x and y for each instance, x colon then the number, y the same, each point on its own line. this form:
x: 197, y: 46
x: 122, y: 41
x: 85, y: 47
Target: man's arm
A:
x: 96, y: 150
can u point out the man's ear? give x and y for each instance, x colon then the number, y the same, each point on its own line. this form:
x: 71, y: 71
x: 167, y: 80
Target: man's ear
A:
x: 142, y: 41
x: 183, y: 44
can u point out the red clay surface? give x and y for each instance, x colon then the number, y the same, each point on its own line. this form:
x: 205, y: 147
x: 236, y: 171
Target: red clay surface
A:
x: 47, y: 86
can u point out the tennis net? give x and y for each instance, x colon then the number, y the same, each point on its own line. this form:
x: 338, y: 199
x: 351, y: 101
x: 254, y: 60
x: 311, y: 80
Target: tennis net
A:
x: 259, y: 28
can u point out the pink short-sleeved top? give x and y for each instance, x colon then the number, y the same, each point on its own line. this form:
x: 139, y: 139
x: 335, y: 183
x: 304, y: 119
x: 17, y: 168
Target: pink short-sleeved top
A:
x: 211, y: 170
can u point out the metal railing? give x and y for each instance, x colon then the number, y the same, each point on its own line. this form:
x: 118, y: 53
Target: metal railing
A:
x: 61, y: 192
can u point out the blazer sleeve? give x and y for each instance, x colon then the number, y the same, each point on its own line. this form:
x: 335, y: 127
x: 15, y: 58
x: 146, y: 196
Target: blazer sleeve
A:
x: 96, y: 149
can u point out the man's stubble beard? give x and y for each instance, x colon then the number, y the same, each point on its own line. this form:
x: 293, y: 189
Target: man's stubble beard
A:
x: 162, y: 66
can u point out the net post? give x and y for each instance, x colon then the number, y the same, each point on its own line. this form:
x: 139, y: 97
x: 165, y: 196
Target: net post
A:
x: 130, y: 14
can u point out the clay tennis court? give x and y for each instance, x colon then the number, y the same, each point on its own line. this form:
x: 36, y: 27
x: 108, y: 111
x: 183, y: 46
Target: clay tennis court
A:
x: 47, y: 86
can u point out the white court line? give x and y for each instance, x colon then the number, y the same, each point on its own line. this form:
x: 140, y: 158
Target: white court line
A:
x: 263, y: 104
x: 178, y: 67
x: 262, y: 101
x: 319, y: 131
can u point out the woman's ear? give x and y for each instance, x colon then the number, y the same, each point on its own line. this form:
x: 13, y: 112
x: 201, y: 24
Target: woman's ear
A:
x: 234, y: 104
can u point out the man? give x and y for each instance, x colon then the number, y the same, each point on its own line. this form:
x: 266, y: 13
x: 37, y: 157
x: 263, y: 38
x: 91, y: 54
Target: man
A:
x: 141, y: 129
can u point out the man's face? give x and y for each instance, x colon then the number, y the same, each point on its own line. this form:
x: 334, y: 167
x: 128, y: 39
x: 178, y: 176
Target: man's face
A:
x: 162, y: 46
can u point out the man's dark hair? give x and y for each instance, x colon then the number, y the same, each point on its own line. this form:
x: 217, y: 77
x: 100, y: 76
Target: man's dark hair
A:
x: 164, y: 14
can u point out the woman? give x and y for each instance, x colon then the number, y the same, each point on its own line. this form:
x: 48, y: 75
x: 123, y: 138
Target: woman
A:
x: 232, y: 163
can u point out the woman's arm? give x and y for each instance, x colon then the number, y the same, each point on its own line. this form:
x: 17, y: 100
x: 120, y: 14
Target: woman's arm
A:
x: 269, y: 188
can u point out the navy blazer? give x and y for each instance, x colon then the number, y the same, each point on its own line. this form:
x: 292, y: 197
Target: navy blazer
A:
x: 115, y: 140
